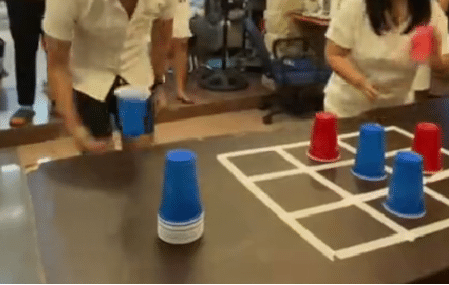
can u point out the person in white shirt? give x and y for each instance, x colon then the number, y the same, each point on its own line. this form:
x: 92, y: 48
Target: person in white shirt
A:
x: 95, y: 46
x: 368, y: 48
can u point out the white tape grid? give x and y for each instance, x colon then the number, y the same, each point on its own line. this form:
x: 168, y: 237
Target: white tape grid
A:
x: 359, y: 200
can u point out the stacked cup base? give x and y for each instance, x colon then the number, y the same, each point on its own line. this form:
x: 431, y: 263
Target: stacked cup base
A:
x: 406, y: 194
x: 181, y: 214
x: 370, y: 157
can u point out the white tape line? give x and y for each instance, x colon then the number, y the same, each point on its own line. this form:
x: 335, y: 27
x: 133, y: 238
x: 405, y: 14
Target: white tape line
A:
x: 332, y: 165
x: 274, y: 175
x: 402, y: 132
x: 432, y: 228
x: 388, y: 169
x: 348, y: 147
x: 278, y: 210
x: 445, y: 151
x: 394, y: 152
x: 264, y: 149
x: 290, y: 158
x: 348, y: 136
x: 365, y: 197
x: 369, y: 246
x: 438, y: 176
x: 321, y: 209
x: 437, y: 196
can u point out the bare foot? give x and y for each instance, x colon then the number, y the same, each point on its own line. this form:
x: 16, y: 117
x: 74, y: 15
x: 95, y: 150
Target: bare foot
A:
x: 184, y: 99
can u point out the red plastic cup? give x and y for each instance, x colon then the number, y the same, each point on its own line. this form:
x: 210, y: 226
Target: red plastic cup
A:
x: 323, y: 145
x: 422, y: 44
x: 427, y: 142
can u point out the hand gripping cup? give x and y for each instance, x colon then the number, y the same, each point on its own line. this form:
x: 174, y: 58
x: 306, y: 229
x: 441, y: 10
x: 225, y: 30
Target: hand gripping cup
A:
x: 323, y: 145
x: 135, y: 111
x: 427, y: 142
x: 370, y: 157
x: 181, y: 214
x: 406, y: 193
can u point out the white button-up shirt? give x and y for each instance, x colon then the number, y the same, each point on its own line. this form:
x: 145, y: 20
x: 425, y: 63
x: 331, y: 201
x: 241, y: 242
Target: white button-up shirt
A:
x: 105, y: 41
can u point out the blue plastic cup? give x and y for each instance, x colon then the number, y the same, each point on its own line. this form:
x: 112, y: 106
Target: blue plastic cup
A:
x: 135, y: 112
x: 181, y: 213
x: 370, y: 157
x: 406, y: 194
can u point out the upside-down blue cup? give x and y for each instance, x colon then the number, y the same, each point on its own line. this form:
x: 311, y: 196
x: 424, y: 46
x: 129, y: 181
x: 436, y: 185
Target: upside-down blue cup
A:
x: 135, y: 111
x: 406, y: 194
x: 181, y: 213
x: 370, y: 157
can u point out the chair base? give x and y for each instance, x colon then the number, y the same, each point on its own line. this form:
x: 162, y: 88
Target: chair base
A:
x: 223, y: 80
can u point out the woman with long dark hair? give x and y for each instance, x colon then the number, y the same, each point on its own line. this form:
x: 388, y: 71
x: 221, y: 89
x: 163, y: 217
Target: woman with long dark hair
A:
x: 369, y: 44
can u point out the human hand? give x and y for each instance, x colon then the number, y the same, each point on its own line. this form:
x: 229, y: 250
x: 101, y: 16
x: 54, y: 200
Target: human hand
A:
x: 84, y: 140
x: 370, y: 91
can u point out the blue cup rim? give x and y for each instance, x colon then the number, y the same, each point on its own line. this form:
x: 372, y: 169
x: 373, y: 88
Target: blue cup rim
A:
x: 418, y: 215
x: 369, y: 178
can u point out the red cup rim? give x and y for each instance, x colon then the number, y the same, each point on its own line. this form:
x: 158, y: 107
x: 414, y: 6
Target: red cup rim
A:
x: 314, y: 158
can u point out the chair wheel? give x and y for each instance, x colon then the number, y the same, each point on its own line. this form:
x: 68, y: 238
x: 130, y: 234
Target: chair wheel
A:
x: 267, y: 120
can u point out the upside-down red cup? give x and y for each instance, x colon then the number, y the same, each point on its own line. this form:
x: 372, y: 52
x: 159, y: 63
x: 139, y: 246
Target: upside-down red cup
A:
x: 323, y: 143
x: 427, y: 142
x: 422, y: 44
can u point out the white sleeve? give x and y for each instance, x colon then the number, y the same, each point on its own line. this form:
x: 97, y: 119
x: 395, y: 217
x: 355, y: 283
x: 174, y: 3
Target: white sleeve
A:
x: 60, y: 17
x: 344, y: 22
x: 439, y: 21
x: 169, y: 9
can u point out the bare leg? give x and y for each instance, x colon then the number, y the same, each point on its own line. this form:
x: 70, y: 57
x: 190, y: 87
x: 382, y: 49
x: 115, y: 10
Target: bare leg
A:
x: 180, y: 49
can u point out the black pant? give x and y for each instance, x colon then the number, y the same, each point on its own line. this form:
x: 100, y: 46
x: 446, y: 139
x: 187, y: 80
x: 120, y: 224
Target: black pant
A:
x: 25, y: 24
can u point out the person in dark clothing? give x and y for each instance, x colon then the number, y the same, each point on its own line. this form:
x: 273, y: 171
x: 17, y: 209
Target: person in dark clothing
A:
x: 25, y: 18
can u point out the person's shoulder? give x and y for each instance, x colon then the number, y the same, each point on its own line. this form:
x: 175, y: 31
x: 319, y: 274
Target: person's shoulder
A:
x: 437, y: 10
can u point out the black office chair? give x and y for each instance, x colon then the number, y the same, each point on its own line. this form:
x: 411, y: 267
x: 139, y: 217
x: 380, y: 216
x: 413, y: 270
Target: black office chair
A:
x: 292, y: 74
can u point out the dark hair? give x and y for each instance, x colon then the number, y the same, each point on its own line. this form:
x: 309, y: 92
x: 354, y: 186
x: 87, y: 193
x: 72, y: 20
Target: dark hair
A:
x: 420, y: 11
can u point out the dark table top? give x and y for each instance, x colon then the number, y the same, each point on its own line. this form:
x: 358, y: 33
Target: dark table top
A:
x: 96, y: 216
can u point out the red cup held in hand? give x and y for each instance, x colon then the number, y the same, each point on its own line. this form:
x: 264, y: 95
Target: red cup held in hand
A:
x: 422, y: 44
x: 323, y: 144
x: 427, y: 142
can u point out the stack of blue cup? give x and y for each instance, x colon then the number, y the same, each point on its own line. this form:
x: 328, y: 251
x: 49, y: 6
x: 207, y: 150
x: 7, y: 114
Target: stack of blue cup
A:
x: 135, y: 111
x: 406, y: 193
x: 181, y: 213
x: 370, y: 157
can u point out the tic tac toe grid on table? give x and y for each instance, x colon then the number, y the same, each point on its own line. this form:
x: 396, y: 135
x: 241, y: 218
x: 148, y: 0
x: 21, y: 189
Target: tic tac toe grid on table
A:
x: 361, y: 201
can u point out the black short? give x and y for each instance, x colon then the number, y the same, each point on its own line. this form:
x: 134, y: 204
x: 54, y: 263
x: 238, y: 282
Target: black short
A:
x: 96, y: 115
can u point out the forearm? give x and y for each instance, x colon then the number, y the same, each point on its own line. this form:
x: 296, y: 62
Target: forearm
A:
x: 343, y: 66
x: 60, y: 84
